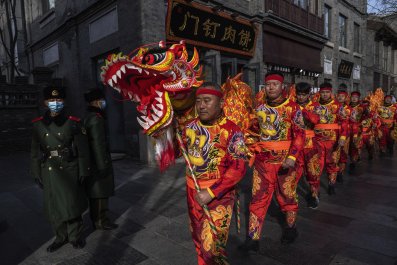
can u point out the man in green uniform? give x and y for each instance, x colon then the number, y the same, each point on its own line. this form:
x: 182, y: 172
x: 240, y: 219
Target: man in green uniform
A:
x: 100, y: 185
x: 59, y: 164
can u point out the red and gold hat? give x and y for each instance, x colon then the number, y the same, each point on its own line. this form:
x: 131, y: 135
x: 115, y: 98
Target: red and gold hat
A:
x: 355, y: 93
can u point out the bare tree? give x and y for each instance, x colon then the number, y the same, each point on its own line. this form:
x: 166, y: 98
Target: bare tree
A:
x: 9, y: 35
x: 382, y: 7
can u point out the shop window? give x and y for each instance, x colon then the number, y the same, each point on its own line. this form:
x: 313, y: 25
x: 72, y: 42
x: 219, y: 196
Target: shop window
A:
x: 209, y: 68
x: 327, y: 21
x: 342, y: 31
x: 356, y: 38
x: 103, y: 26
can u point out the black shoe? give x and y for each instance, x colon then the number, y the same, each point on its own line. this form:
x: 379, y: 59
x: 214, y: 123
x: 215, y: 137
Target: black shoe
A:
x: 289, y: 235
x: 107, y: 226
x: 249, y: 245
x: 339, y: 178
x: 78, y: 244
x: 55, y: 246
x: 331, y: 189
x: 313, y: 202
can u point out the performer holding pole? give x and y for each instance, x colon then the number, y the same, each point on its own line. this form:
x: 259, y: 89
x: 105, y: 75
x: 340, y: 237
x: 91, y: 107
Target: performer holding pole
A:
x: 215, y: 158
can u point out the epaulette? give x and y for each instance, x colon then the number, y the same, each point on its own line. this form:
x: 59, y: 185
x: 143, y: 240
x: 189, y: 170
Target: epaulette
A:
x: 98, y: 115
x: 37, y: 119
x: 73, y: 118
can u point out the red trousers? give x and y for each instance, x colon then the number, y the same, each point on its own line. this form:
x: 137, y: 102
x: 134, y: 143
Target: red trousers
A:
x: 221, y: 212
x: 304, y: 167
x: 368, y: 142
x: 355, y: 147
x: 268, y: 179
x: 385, y: 141
x: 326, y: 155
x: 344, y: 155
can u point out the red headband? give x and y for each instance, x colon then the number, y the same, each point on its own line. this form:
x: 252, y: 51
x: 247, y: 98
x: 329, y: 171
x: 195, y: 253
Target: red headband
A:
x: 342, y: 93
x: 274, y: 77
x: 206, y: 90
x: 388, y: 96
x: 355, y: 93
x: 325, y: 88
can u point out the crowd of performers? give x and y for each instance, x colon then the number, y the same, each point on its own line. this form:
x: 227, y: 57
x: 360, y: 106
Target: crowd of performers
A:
x: 294, y: 136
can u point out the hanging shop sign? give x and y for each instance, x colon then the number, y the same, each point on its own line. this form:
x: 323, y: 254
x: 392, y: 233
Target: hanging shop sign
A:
x: 208, y: 27
x: 345, y: 69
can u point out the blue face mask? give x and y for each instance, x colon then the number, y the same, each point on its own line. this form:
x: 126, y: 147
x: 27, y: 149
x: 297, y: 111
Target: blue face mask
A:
x: 55, y: 106
x: 102, y: 104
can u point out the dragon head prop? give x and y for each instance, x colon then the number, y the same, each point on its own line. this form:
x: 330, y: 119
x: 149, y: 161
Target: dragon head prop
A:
x: 160, y: 78
x: 157, y: 77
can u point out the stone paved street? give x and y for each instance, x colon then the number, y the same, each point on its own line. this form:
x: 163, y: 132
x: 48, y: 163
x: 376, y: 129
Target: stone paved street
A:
x: 357, y: 226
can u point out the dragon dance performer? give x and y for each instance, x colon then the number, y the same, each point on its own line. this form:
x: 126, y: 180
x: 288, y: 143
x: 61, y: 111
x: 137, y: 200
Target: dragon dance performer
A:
x: 387, y: 115
x: 309, y: 119
x: 369, y: 125
x: 281, y: 141
x: 355, y: 128
x: 330, y: 134
x: 217, y: 152
x: 342, y: 97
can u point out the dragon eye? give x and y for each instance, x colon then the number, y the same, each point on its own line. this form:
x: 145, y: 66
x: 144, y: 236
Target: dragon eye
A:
x: 153, y: 58
x: 149, y: 59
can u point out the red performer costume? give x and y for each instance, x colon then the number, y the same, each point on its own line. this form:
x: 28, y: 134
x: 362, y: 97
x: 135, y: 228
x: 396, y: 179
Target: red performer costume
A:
x: 217, y: 153
x: 355, y: 128
x: 310, y: 119
x: 280, y: 144
x: 344, y: 151
x: 369, y: 126
x: 387, y: 116
x: 330, y: 134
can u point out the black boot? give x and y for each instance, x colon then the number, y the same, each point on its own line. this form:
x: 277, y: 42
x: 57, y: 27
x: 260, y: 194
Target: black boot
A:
x: 55, y: 246
x: 249, y: 245
x: 78, y: 244
x: 339, y: 178
x: 289, y: 235
x: 331, y: 189
x: 313, y: 202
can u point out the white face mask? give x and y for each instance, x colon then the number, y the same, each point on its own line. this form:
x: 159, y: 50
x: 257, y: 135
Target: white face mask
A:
x: 102, y: 104
x: 55, y: 106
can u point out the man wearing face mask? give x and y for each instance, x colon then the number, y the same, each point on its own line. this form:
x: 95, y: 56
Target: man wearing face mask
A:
x: 100, y: 185
x: 59, y: 164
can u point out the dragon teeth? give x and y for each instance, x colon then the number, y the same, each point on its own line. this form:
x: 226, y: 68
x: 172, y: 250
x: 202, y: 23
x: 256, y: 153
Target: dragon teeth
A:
x: 122, y: 69
x: 161, y: 107
x: 144, y: 125
x: 157, y: 112
x: 159, y: 99
x: 110, y: 82
x: 130, y: 95
x: 159, y: 93
x: 146, y: 72
x: 118, y: 73
x: 117, y: 89
x: 114, y: 79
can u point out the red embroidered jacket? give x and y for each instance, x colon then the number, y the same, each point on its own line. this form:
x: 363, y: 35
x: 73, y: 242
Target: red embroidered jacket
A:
x: 333, y: 122
x: 217, y: 154
x: 310, y: 119
x: 370, y: 123
x: 281, y: 136
x: 355, y: 120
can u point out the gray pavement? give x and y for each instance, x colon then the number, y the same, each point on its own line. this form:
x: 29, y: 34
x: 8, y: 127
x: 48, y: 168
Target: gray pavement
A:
x: 357, y: 226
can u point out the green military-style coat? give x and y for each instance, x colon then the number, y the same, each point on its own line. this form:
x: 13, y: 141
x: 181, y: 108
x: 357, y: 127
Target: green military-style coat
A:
x: 101, y: 182
x: 60, y: 159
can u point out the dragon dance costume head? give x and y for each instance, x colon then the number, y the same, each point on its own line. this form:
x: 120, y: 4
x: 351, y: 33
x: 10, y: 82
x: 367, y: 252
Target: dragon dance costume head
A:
x: 160, y: 78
